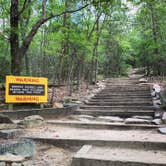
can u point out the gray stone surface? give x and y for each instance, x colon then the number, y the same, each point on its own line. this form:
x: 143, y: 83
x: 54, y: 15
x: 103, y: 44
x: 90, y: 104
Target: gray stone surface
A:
x: 158, y: 114
x: 164, y: 117
x: 25, y: 148
x: 4, y: 126
x: 78, y: 117
x: 137, y: 121
x: 143, y: 80
x: 2, y: 164
x: 162, y: 130
x: 163, y: 97
x: 114, y: 156
x: 110, y: 119
x: 143, y: 117
x: 157, y: 121
x: 5, y: 119
x: 17, y: 164
x: 32, y: 121
x: 10, y: 133
x: 48, y: 113
x: 8, y: 157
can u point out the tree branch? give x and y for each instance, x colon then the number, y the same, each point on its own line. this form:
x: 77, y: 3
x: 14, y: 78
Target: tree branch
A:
x: 23, y: 8
x: 38, y: 24
x: 44, y: 9
x: 97, y: 19
x: 67, y: 11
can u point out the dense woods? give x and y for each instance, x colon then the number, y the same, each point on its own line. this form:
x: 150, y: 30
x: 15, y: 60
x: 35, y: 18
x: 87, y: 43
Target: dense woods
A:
x: 74, y: 41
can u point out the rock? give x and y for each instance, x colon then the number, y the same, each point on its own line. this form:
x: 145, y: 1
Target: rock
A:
x: 86, y: 101
x: 5, y: 119
x: 157, y: 121
x: 17, y: 164
x: 57, y: 105
x: 2, y: 164
x: 32, y: 121
x: 137, y: 121
x: 156, y: 102
x: 11, y: 158
x: 163, y: 97
x: 158, y: 114
x: 162, y: 130
x: 34, y: 117
x: 4, y: 126
x: 77, y: 102
x: 143, y: 117
x: 157, y: 88
x: 11, y: 133
x: 143, y: 80
x: 24, y: 148
x: 153, y: 94
x: 83, y: 117
x: 164, y: 117
x: 70, y: 105
x: 110, y: 119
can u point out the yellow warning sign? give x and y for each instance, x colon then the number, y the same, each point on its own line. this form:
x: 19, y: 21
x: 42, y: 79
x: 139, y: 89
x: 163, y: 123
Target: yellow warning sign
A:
x: 26, y: 89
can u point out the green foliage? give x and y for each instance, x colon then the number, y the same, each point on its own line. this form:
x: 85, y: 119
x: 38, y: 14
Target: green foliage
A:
x: 104, y: 38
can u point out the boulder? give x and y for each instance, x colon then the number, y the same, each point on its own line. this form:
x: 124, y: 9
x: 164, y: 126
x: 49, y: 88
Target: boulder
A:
x: 163, y: 98
x: 32, y: 121
x: 157, y: 88
x: 164, y: 117
x: 157, y: 121
x: 25, y: 148
x: 158, y: 114
x: 143, y: 80
x: 162, y: 130
x: 153, y: 94
x: 5, y: 119
x: 57, y: 105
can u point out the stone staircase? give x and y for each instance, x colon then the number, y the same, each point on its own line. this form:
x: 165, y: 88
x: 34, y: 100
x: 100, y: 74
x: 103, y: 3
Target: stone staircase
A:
x: 121, y: 97
x: 114, y: 128
x: 127, y: 99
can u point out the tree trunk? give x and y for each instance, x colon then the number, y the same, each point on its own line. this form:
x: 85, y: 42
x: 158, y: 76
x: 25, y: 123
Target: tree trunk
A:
x: 14, y: 38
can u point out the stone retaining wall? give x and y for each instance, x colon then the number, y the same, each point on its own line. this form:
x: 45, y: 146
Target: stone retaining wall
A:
x: 47, y: 113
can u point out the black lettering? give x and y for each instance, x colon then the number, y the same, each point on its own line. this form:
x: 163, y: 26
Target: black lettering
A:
x: 26, y: 89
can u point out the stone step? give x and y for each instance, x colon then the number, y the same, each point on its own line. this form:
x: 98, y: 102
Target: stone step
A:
x: 124, y: 108
x: 125, y: 90
x: 123, y: 94
x: 127, y: 87
x: 121, y: 100
x: 102, y: 125
x: 121, y: 103
x: 116, y: 112
x: 121, y: 81
x: 123, y: 84
x: 111, y: 156
x: 71, y: 136
x: 123, y: 97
